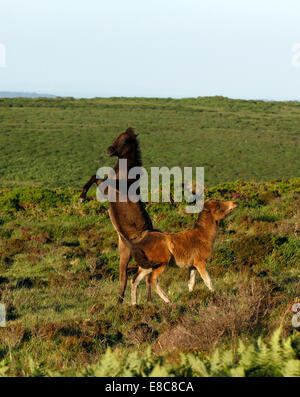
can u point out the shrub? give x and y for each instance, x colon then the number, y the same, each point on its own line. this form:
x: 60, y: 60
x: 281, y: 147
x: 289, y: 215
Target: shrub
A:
x: 25, y: 197
x: 250, y: 250
x: 223, y: 316
x: 287, y: 254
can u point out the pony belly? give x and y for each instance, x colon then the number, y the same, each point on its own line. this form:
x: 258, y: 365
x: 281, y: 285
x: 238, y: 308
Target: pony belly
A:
x: 183, y: 262
x: 181, y: 256
x: 159, y: 257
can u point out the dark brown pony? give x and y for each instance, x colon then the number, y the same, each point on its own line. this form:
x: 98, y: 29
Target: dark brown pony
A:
x: 128, y: 218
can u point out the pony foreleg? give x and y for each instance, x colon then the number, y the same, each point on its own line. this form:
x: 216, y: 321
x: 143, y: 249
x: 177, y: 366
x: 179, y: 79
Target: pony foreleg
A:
x: 192, y: 278
x: 201, y: 267
x: 86, y: 187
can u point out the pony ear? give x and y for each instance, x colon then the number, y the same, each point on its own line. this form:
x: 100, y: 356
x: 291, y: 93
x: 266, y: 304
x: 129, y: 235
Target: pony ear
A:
x: 211, y: 205
x: 130, y: 132
x: 208, y: 204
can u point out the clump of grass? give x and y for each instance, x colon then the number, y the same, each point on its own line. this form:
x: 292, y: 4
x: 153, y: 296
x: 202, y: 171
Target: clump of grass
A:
x: 251, y: 250
x: 30, y: 196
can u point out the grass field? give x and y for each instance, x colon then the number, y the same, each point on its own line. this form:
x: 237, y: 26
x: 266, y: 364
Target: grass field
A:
x: 59, y: 282
x: 62, y: 142
x: 58, y: 258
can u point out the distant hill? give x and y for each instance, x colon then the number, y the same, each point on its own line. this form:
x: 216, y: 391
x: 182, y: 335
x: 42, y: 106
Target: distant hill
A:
x: 9, y: 94
x: 60, y: 142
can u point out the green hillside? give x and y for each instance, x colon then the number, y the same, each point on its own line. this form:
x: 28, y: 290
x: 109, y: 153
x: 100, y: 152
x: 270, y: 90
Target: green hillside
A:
x: 59, y: 259
x: 62, y: 141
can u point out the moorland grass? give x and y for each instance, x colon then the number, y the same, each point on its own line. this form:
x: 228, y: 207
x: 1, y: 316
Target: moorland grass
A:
x: 63, y: 141
x: 59, y: 282
x: 59, y: 260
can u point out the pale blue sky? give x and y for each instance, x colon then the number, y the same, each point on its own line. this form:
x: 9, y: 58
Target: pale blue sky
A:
x: 178, y: 48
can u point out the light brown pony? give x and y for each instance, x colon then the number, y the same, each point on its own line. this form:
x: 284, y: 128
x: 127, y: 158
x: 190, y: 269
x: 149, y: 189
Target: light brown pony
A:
x: 190, y: 249
x: 130, y: 219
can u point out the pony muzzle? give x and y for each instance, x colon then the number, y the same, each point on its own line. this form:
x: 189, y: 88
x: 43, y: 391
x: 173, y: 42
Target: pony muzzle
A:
x: 111, y: 151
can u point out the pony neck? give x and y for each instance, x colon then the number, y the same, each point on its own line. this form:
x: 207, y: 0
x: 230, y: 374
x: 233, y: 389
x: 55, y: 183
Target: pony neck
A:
x: 134, y: 159
x: 207, y: 224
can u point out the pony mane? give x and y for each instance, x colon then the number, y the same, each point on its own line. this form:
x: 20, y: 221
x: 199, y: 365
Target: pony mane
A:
x: 138, y: 155
x: 202, y: 218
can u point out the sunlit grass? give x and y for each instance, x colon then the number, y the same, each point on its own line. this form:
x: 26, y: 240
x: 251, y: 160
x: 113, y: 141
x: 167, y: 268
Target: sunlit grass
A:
x: 59, y: 278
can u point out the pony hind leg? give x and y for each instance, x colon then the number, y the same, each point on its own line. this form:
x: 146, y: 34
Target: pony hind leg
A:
x: 148, y: 284
x: 156, y: 273
x: 125, y: 256
x: 137, y: 278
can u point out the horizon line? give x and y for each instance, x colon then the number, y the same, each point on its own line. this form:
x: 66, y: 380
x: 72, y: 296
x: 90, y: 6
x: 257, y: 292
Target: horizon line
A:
x: 28, y: 94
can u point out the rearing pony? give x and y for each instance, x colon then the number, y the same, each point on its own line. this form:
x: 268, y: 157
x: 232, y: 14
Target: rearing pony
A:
x: 128, y: 218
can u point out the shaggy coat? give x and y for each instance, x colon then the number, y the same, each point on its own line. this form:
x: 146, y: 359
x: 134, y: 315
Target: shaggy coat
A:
x: 190, y: 249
